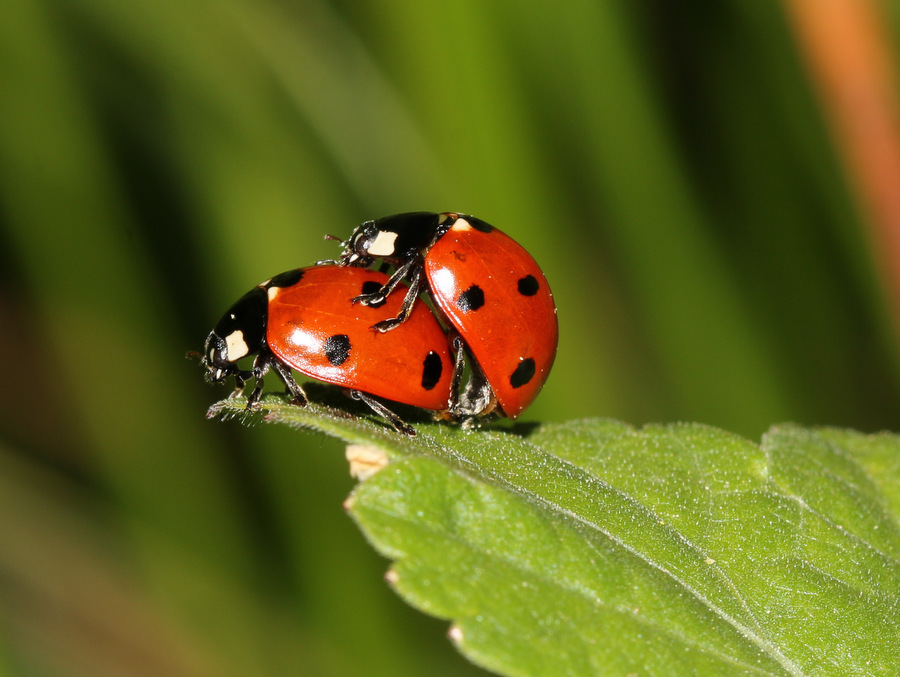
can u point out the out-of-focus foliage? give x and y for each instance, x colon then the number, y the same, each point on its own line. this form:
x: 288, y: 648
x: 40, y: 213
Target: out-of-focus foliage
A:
x: 666, y: 163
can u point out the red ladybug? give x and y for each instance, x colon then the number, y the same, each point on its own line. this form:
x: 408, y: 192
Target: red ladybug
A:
x: 306, y: 319
x: 487, y: 287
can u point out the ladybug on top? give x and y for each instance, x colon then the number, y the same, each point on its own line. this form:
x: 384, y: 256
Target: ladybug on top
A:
x: 484, y: 285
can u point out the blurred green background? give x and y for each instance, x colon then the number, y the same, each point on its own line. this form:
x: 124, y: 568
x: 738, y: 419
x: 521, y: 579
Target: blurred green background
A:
x: 668, y: 164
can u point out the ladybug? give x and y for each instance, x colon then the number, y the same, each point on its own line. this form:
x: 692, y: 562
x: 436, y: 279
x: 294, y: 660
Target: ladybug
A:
x: 484, y: 284
x: 307, y: 320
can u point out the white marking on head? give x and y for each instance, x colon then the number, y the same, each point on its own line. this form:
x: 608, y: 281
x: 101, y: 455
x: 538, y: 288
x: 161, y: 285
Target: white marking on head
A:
x: 383, y: 244
x: 461, y: 225
x: 236, y: 346
x: 272, y: 292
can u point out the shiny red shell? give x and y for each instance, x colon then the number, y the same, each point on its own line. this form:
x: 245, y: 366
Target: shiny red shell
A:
x: 494, y: 293
x: 315, y: 328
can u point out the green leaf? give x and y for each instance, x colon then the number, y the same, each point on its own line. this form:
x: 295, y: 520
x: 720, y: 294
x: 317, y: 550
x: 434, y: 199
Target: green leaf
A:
x: 593, y: 548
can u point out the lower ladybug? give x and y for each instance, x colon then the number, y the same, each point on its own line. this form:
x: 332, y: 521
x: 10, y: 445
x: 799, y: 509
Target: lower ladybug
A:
x: 307, y: 320
x: 484, y: 283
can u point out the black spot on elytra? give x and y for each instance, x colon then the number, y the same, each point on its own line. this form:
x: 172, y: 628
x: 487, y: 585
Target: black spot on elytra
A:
x: 337, y: 349
x: 288, y: 279
x: 471, y: 299
x: 528, y: 285
x: 432, y: 368
x: 523, y: 373
x: 372, y: 287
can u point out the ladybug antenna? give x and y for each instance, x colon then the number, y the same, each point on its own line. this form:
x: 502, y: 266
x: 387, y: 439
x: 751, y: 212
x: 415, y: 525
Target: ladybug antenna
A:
x: 199, y: 357
x: 332, y: 262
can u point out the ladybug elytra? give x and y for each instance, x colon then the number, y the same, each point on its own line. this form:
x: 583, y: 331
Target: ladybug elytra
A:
x: 306, y: 320
x: 484, y: 284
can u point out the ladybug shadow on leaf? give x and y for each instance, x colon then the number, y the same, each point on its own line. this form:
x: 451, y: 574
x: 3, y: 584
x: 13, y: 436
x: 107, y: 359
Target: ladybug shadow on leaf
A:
x: 523, y: 429
x: 340, y: 404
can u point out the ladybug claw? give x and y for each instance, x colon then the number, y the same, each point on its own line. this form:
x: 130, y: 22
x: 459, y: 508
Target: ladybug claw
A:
x: 405, y: 429
x: 375, y: 299
x: 386, y: 325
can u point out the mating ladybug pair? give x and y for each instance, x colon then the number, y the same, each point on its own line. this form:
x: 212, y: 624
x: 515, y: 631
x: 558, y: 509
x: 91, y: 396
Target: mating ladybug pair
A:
x: 344, y: 324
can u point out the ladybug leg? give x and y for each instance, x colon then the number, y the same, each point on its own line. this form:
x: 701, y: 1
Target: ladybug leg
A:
x: 298, y: 397
x: 409, y: 268
x: 260, y: 367
x: 459, y: 364
x: 413, y: 270
x: 415, y: 288
x: 240, y: 380
x: 477, y: 400
x: 376, y: 406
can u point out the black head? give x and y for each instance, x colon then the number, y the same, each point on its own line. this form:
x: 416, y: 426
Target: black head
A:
x: 240, y: 333
x: 393, y: 238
